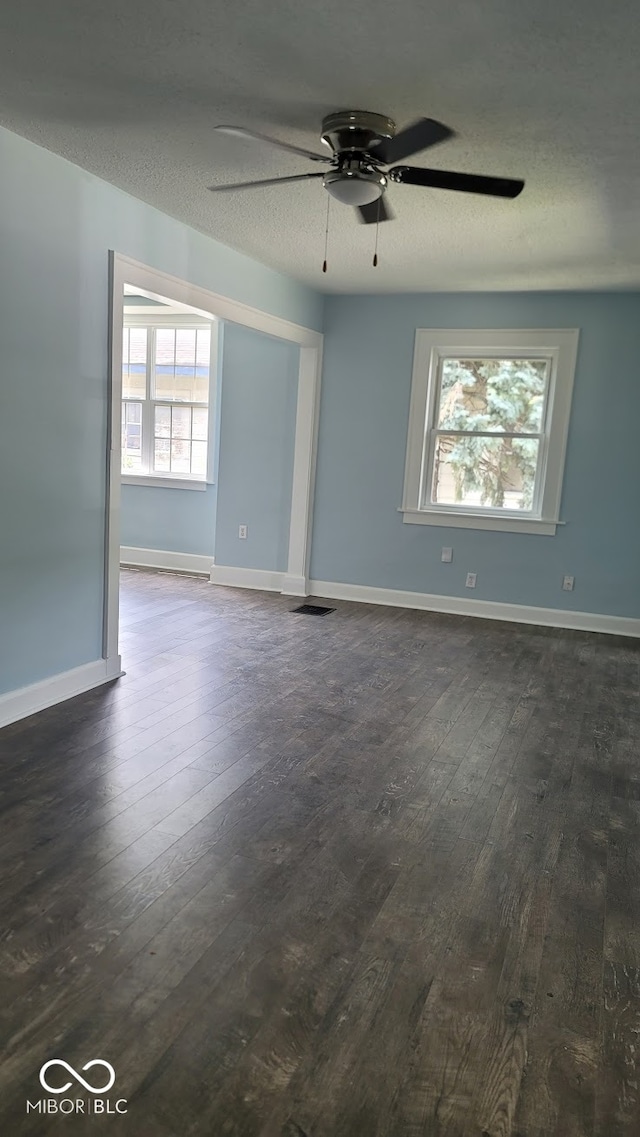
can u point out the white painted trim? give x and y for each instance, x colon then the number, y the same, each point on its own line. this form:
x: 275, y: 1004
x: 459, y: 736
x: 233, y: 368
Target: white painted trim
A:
x: 294, y: 585
x: 304, y: 463
x: 36, y: 697
x: 165, y: 559
x: 262, y: 579
x: 111, y: 604
x: 560, y: 346
x: 141, y: 310
x: 479, y: 521
x: 181, y: 320
x: 152, y: 282
x: 152, y: 481
x: 426, y: 602
x: 484, y: 609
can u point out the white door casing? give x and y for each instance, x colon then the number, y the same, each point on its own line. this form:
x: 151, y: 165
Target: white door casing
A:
x: 123, y: 270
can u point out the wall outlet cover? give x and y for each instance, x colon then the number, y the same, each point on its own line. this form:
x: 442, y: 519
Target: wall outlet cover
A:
x: 447, y: 555
x: 471, y: 580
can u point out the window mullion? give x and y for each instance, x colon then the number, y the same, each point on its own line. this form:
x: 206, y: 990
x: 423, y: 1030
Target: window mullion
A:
x: 426, y: 481
x: 147, y: 436
x: 486, y: 433
x: 147, y: 410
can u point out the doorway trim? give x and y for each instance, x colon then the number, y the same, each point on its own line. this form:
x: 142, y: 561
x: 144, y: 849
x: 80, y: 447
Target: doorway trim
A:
x: 123, y: 270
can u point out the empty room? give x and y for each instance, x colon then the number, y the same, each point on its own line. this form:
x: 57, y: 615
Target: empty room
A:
x: 319, y: 569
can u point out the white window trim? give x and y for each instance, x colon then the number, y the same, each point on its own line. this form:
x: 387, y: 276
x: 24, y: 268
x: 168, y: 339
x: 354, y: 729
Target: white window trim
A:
x: 560, y: 346
x: 176, y: 481
x: 169, y: 482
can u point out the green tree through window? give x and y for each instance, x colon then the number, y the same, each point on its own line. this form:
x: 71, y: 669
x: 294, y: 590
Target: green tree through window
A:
x: 496, y: 408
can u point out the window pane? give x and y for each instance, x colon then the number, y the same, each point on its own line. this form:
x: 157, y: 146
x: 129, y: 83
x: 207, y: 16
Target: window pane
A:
x: 181, y: 422
x: 131, y: 437
x: 493, y: 394
x: 165, y: 345
x: 203, y: 349
x: 186, y: 346
x: 163, y: 422
x: 199, y: 459
x: 134, y: 381
x: 134, y: 363
x: 201, y: 376
x: 181, y: 366
x: 137, y: 345
x: 180, y: 456
x: 162, y: 454
x: 200, y: 423
x: 495, y: 473
x: 174, y: 450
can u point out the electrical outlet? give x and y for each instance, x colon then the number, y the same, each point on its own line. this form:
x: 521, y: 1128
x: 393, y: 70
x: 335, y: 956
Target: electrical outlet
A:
x: 471, y: 580
x: 447, y: 555
x: 242, y: 532
x: 567, y: 583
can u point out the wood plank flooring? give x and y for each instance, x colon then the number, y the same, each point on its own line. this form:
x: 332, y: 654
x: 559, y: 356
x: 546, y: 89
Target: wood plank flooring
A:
x: 375, y: 874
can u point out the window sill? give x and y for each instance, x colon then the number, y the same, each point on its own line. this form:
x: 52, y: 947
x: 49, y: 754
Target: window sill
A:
x: 163, y: 483
x: 480, y: 521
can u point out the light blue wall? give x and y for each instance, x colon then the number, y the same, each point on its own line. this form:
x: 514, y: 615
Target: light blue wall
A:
x: 180, y: 521
x: 57, y: 224
x: 252, y: 448
x: 359, y: 536
x: 257, y: 437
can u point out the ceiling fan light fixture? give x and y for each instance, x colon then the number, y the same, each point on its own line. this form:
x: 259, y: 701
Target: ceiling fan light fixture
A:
x: 353, y: 187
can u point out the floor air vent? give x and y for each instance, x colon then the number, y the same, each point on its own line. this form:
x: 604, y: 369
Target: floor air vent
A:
x: 313, y: 610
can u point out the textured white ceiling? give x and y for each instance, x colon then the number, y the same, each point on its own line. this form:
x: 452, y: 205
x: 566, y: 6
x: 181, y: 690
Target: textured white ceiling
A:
x: 547, y: 90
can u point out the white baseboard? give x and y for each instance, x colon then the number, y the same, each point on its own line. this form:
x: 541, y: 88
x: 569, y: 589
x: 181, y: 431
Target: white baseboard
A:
x: 263, y: 579
x: 486, y: 609
x: 294, y: 585
x: 272, y: 581
x: 164, y: 559
x: 27, y: 701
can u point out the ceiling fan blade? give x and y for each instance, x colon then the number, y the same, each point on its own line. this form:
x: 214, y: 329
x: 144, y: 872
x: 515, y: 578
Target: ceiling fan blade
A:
x: 466, y: 183
x: 253, y: 136
x: 418, y: 136
x: 263, y: 182
x: 375, y: 211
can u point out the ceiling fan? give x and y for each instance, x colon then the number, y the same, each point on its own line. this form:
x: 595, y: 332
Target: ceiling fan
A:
x: 360, y: 145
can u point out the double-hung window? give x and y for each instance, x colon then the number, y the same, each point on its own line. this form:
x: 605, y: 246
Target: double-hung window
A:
x: 488, y: 426
x: 166, y: 384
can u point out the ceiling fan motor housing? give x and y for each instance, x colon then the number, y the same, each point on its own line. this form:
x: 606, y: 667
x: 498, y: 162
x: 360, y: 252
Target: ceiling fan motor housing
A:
x: 356, y: 131
x: 350, y: 134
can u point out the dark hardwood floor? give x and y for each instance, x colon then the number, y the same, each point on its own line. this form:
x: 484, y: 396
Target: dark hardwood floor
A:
x: 374, y: 874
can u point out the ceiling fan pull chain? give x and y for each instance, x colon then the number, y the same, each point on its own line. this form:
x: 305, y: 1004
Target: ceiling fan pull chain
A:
x: 326, y: 236
x: 375, y: 252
